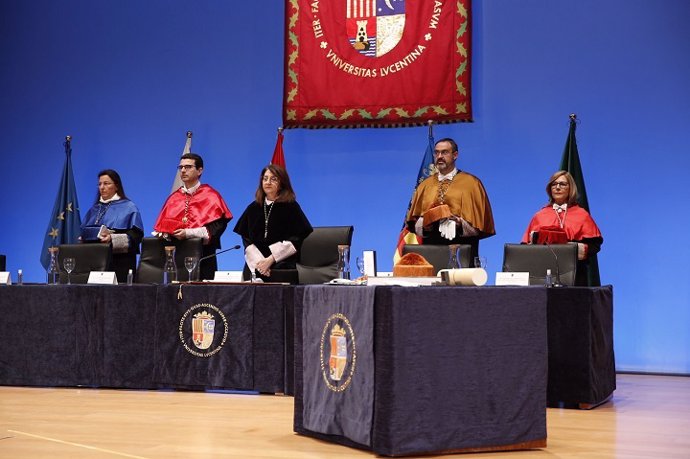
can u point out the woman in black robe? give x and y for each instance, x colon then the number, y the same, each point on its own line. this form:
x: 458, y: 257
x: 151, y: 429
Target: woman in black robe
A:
x: 273, y: 226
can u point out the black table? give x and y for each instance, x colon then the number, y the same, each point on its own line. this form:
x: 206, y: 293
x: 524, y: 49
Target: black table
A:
x: 128, y: 337
x: 424, y: 370
x: 142, y: 336
x: 582, y: 368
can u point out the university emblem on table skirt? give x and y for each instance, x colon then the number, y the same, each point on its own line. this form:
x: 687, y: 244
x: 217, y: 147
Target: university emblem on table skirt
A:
x: 207, y: 333
x: 352, y: 63
x: 203, y: 325
x: 338, y: 353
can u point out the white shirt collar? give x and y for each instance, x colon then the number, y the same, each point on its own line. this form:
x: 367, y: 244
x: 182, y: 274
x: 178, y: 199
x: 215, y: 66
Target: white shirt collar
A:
x: 268, y: 201
x: 191, y: 190
x: 448, y: 176
x: 560, y: 208
x: 115, y: 197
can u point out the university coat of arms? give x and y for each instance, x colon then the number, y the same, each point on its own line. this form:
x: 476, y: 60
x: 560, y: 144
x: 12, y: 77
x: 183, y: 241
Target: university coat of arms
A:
x: 374, y: 27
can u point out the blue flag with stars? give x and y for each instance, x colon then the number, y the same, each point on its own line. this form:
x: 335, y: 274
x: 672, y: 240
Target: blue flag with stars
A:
x: 65, y: 222
x: 427, y: 168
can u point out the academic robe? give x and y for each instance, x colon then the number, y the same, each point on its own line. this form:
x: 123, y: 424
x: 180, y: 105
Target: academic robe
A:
x: 466, y: 198
x: 206, y: 208
x: 121, y: 217
x: 578, y: 226
x: 286, y: 222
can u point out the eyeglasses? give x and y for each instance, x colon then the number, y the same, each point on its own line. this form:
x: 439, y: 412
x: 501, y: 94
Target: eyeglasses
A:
x: 266, y: 178
x: 185, y: 167
x: 560, y: 184
x: 442, y: 152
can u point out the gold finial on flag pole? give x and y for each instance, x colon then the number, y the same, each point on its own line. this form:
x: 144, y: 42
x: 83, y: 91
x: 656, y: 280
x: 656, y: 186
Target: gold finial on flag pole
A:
x: 68, y: 138
x: 431, y: 128
x: 280, y: 129
x: 573, y: 116
x: 189, y: 134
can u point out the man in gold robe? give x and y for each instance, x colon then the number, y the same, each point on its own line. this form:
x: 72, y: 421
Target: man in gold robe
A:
x: 453, y: 202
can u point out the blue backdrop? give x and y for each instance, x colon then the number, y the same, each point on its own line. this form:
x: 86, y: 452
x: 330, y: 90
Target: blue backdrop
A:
x: 127, y: 79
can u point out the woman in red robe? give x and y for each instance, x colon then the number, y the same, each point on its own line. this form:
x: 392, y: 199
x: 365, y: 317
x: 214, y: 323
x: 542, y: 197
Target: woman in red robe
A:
x: 562, y: 213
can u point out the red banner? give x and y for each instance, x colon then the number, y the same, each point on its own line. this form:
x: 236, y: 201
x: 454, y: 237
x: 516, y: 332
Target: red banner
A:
x: 359, y: 63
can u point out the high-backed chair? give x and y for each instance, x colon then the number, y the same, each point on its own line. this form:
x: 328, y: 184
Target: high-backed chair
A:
x: 439, y: 255
x: 319, y: 254
x: 561, y: 259
x: 152, y: 260
x: 87, y: 257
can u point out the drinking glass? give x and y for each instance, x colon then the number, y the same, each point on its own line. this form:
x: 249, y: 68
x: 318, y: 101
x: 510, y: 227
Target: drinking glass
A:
x: 190, y: 264
x: 360, y: 266
x: 69, y: 263
x: 480, y: 262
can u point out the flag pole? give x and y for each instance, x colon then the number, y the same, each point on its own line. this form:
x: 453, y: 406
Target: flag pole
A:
x: 68, y: 144
x: 189, y: 134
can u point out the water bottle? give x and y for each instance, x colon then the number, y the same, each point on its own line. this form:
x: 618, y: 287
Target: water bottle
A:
x: 343, y: 261
x: 170, y: 268
x: 53, y: 268
x: 20, y: 277
x: 130, y: 277
x: 548, y: 280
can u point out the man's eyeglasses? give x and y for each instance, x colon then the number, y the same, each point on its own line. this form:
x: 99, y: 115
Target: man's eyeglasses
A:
x: 442, y: 152
x: 560, y: 184
x: 185, y: 167
x: 270, y: 179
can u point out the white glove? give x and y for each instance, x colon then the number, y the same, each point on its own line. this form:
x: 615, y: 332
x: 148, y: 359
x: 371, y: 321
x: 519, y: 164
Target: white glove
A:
x: 252, y: 256
x: 447, y: 229
x: 419, y: 227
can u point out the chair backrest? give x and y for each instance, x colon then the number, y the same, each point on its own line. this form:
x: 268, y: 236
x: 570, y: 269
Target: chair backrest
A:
x: 152, y: 260
x: 561, y: 259
x: 87, y: 257
x: 439, y: 255
x: 319, y: 253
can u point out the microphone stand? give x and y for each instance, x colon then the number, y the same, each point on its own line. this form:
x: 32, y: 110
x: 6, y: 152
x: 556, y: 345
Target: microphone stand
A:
x: 218, y: 253
x: 558, y: 270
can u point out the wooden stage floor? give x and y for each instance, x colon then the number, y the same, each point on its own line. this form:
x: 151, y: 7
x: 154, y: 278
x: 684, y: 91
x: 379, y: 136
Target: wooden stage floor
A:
x: 649, y: 416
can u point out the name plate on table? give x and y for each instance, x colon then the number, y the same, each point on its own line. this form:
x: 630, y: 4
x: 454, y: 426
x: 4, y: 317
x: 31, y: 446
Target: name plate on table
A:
x: 5, y: 278
x: 227, y: 276
x: 102, y: 277
x: 519, y: 279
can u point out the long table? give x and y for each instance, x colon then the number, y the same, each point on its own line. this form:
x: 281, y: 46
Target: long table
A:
x: 129, y: 337
x: 145, y: 336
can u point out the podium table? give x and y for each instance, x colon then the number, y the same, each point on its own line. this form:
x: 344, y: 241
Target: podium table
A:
x: 448, y: 369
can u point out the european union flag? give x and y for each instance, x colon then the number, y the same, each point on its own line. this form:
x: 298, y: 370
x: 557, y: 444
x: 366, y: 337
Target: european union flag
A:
x: 65, y: 222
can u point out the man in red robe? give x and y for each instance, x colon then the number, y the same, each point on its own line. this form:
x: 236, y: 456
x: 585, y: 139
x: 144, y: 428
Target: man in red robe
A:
x: 195, y: 210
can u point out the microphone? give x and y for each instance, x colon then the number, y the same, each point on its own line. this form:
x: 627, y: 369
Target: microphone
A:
x: 558, y: 270
x: 218, y: 253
